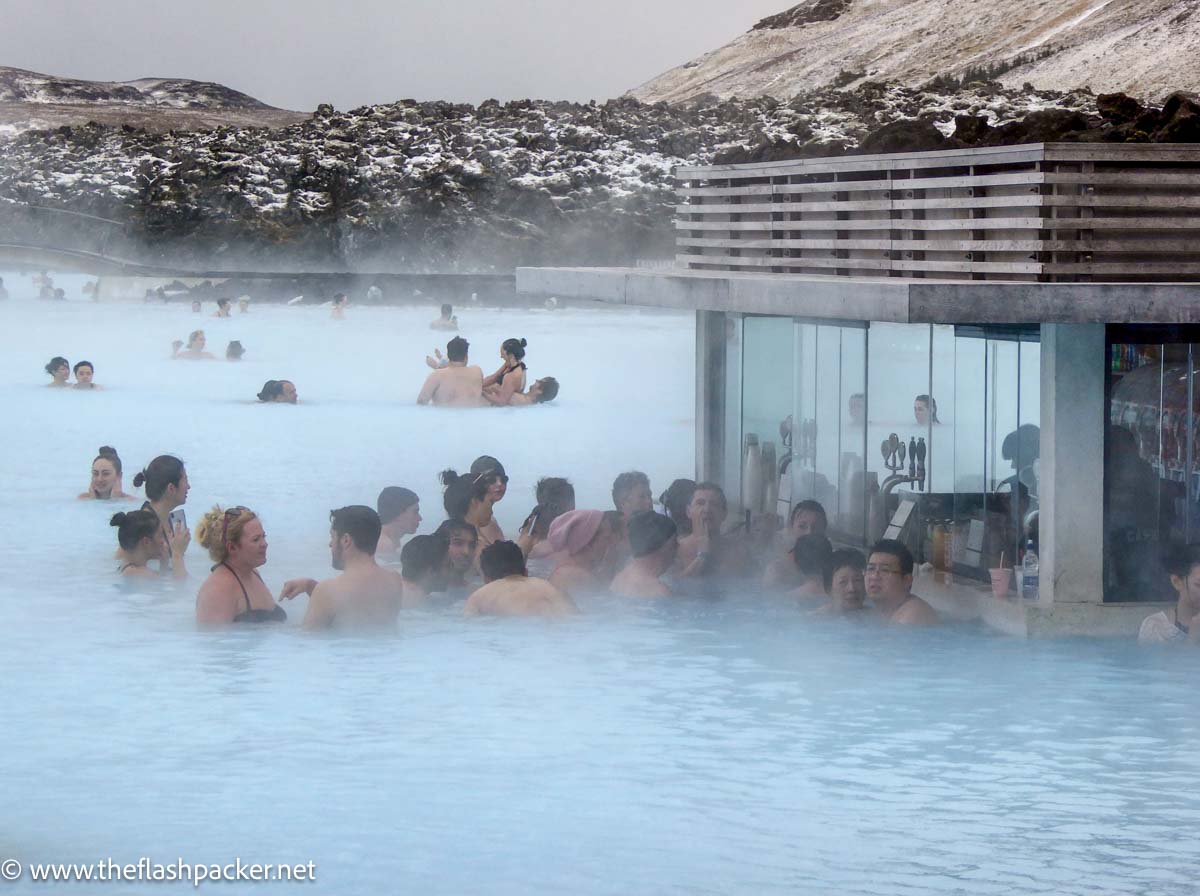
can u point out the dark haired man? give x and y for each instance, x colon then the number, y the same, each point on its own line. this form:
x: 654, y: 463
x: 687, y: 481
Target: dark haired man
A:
x: 509, y: 590
x: 705, y: 553
x: 423, y: 567
x: 807, y: 518
x: 84, y: 371
x: 889, y: 578
x: 631, y: 494
x: 456, y: 384
x: 461, y: 541
x: 365, y: 595
x: 447, y: 321
x: 543, y: 390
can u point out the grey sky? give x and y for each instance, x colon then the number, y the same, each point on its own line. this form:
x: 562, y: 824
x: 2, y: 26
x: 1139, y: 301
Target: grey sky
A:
x: 298, y: 53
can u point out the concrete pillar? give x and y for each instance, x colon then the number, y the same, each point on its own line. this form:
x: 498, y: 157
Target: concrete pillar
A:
x: 711, y: 360
x: 1071, y: 486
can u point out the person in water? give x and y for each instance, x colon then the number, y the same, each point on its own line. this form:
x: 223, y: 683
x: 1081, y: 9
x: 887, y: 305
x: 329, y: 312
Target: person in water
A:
x: 654, y: 542
x: 400, y: 513
x: 196, y: 306
x: 244, y: 305
x: 234, y: 351
x: 455, y: 385
x: 466, y: 498
x: 811, y: 555
x: 59, y: 369
x: 583, y: 538
x: 278, y: 392
x: 140, y: 540
x: 543, y: 390
x: 339, y: 306
x: 234, y: 592
x: 167, y: 486
x: 447, y: 321
x: 555, y: 496
x: 844, y: 583
x: 889, y: 578
x: 3, y: 291
x: 84, y: 371
x: 509, y: 590
x: 423, y: 568
x: 807, y: 518
x: 675, y: 501
x: 491, y: 470
x: 462, y: 541
x: 106, y: 484
x: 631, y: 494
x: 195, y: 348
x: 1180, y: 623
x: 509, y: 379
x: 365, y: 595
x: 224, y: 308
x: 706, y: 552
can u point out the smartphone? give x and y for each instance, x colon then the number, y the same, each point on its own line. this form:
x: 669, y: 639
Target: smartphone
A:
x: 177, y: 518
x: 531, y: 520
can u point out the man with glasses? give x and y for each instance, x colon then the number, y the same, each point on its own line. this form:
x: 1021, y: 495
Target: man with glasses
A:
x: 889, y: 578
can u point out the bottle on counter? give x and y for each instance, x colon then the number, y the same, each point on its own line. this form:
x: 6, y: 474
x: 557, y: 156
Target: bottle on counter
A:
x: 1029, y: 572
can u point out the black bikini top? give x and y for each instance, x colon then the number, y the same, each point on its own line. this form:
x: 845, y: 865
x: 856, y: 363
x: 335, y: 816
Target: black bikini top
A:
x: 520, y: 365
x: 252, y: 614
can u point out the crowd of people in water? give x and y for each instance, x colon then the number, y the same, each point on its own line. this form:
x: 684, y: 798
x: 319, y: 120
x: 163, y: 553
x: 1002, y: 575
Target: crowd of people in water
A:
x: 453, y: 382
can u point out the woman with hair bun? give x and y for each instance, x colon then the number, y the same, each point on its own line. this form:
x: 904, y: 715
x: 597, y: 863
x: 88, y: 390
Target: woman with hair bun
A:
x: 234, y: 592
x: 106, y: 482
x: 510, y: 378
x: 139, y: 535
x: 59, y: 369
x: 167, y: 487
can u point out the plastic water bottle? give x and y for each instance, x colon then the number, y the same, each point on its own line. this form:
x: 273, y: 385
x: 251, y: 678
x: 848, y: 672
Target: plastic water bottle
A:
x: 1029, y: 572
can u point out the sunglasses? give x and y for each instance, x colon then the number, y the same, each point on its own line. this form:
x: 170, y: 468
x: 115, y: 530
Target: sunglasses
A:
x: 499, y: 477
x: 231, y: 514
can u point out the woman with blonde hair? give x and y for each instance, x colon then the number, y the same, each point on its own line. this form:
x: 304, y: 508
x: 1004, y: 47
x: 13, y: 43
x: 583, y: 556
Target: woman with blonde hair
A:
x: 234, y: 591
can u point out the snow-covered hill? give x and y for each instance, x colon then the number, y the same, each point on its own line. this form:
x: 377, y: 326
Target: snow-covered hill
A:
x: 1146, y: 48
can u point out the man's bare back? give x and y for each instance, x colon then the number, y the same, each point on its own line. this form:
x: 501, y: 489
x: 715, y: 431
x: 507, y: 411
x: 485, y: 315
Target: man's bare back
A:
x: 369, y: 597
x: 455, y: 386
x: 518, y: 596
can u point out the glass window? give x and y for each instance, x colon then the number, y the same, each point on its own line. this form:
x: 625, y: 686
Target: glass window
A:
x: 768, y: 402
x: 849, y: 521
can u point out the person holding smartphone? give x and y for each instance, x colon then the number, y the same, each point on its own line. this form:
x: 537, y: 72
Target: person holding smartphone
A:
x: 166, y: 483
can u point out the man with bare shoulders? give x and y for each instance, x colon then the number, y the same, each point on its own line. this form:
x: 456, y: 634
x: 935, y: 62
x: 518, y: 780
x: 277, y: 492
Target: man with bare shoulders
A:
x: 509, y: 590
x: 653, y: 541
x: 889, y: 578
x: 456, y: 385
x: 365, y: 595
x: 543, y: 390
x: 706, y: 553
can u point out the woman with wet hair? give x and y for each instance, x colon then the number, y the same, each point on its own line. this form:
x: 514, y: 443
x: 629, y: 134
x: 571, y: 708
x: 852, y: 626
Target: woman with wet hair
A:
x: 466, y: 498
x: 675, y: 501
x: 106, y: 478
x: 166, y: 483
x: 234, y: 351
x: 59, y: 369
x: 140, y: 538
x: 278, y: 392
x: 195, y: 348
x: 491, y: 470
x: 509, y: 380
x: 234, y: 592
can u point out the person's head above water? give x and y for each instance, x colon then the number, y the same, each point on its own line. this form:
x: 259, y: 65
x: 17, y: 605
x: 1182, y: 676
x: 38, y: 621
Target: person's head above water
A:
x: 675, y: 501
x: 84, y: 371
x: 135, y: 527
x: 463, y: 495
x: 233, y: 535
x: 843, y: 579
x: 59, y: 368
x: 234, y: 351
x: 708, y: 507
x: 456, y: 350
x: 513, y: 349
x: 1182, y: 564
x: 423, y: 560
x: 278, y: 391
x: 500, y: 560
x: 106, y: 472
x: 649, y: 532
x: 543, y: 390
x: 461, y: 539
x: 165, y: 479
x: 196, y: 340
x: 353, y: 529
x: 889, y: 569
x: 401, y: 506
x: 807, y: 518
x: 631, y: 493
x: 811, y: 555
x: 576, y: 531
x: 491, y: 470
x: 447, y: 312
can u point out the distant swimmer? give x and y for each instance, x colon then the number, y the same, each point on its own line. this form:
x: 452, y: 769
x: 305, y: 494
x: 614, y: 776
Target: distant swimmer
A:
x: 447, y: 321
x: 400, y: 513
x: 423, y: 567
x: 234, y: 351
x: 224, y: 308
x: 59, y: 369
x: 509, y: 590
x: 509, y: 380
x: 243, y: 305
x: 3, y: 290
x: 84, y: 371
x: 456, y: 385
x: 374, y: 294
x: 365, y: 595
x: 278, y: 392
x: 543, y: 390
x: 195, y: 348
x: 234, y: 592
x: 653, y: 541
x: 167, y: 487
x: 461, y: 543
x: 106, y: 478
x: 196, y: 306
x: 339, y: 306
x: 583, y: 538
x: 140, y: 537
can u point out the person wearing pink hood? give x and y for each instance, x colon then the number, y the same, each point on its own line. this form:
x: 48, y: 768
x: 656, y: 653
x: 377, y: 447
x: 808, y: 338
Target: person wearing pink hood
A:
x: 583, y: 538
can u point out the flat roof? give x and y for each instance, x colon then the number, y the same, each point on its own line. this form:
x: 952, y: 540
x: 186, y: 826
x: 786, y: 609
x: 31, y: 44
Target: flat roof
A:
x: 889, y: 299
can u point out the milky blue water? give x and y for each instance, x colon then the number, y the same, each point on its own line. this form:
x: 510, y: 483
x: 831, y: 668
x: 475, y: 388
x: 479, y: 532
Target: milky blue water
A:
x: 696, y: 747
